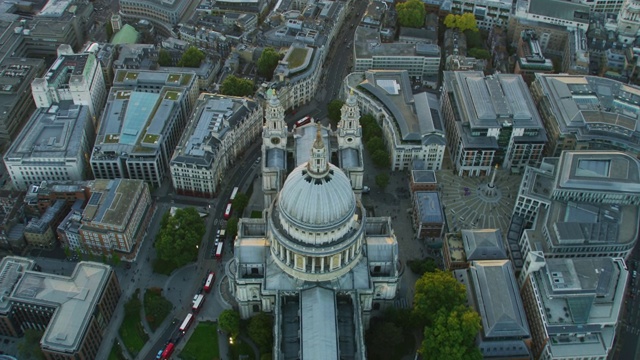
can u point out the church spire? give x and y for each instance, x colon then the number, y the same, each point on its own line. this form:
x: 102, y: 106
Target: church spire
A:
x: 318, y: 163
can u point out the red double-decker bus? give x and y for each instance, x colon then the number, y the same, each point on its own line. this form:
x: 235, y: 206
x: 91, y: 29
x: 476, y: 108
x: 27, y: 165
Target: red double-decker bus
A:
x: 186, y: 323
x: 219, y: 250
x: 211, y: 278
x: 304, y: 121
x: 197, y: 303
x: 166, y: 354
x: 227, y: 212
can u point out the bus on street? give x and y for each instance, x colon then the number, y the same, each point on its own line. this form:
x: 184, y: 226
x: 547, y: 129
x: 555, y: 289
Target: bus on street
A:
x: 219, y: 251
x: 186, y: 323
x: 227, y: 212
x: 233, y: 194
x: 197, y: 303
x: 166, y: 354
x: 211, y: 279
x: 304, y: 121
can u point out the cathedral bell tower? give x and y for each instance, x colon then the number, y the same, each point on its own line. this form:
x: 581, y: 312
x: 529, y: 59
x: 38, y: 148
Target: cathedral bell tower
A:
x: 349, y: 130
x: 275, y: 128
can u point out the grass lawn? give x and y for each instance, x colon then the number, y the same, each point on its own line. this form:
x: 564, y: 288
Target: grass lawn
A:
x: 203, y: 343
x: 296, y: 57
x: 156, y: 307
x: 256, y: 214
x: 131, y: 330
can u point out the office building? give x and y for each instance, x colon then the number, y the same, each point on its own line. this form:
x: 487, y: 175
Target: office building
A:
x: 411, y: 123
x: 16, y: 102
x: 493, y: 292
x: 490, y: 120
x: 461, y: 248
x: 531, y: 60
x: 420, y: 60
x: 573, y: 306
x: 71, y: 311
x: 583, y: 204
x: 53, y: 146
x: 142, y: 122
x: 316, y: 262
x: 75, y: 77
x: 219, y: 130
x: 587, y: 113
x: 488, y: 13
x: 113, y: 220
x: 11, y: 216
x: 428, y: 215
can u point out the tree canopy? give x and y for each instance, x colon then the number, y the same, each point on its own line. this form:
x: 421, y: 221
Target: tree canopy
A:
x: 462, y: 22
x: 240, y: 203
x: 370, y: 127
x: 164, y: 58
x: 260, y: 330
x: 375, y: 143
x: 479, y: 53
x: 29, y: 347
x: 382, y: 180
x: 232, y: 227
x: 411, y: 13
x: 452, y: 335
x: 191, y: 58
x: 267, y: 62
x: 334, y: 111
x: 179, y: 236
x: 434, y: 291
x: 235, y: 86
x: 229, y: 322
x: 383, y: 338
x: 380, y: 158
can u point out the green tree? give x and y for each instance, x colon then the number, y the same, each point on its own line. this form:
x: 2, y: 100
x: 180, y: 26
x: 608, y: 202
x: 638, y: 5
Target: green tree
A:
x: 452, y: 335
x: 229, y: 322
x: 450, y: 20
x: 235, y: 86
x: 434, y: 291
x: 382, y: 180
x: 115, y: 259
x: 375, y: 143
x: 67, y: 251
x: 411, y: 13
x: 178, y: 240
x: 109, y: 29
x: 467, y: 21
x: 380, y: 158
x: 367, y: 120
x: 260, y: 330
x: 192, y: 58
x: 29, y: 347
x: 232, y: 227
x: 334, y: 111
x: 419, y: 267
x: 240, y: 203
x: 267, y: 62
x: 479, y: 53
x: 164, y: 58
x: 382, y: 339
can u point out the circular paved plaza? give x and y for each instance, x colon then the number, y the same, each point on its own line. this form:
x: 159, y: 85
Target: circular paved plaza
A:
x: 476, y: 202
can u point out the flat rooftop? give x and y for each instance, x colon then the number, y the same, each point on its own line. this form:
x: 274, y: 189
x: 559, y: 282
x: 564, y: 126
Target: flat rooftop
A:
x: 416, y: 116
x: 211, y: 121
x: 54, y: 132
x: 429, y: 206
x: 111, y: 201
x: 12, y: 268
x: 592, y: 107
x: 492, y: 101
x: 367, y: 44
x: 609, y: 171
x: 74, y: 297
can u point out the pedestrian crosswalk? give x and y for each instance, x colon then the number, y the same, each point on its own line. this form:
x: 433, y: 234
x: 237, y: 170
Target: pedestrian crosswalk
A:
x: 401, y: 303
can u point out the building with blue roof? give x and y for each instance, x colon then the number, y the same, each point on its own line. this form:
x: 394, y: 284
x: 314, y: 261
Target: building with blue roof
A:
x: 142, y: 123
x: 428, y: 216
x: 220, y: 128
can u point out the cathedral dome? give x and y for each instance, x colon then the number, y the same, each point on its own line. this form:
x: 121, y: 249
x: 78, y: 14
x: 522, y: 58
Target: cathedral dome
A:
x: 317, y: 195
x: 317, y: 201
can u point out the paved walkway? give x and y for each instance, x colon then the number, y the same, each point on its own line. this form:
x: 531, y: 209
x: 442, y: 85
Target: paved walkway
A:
x: 471, y: 204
